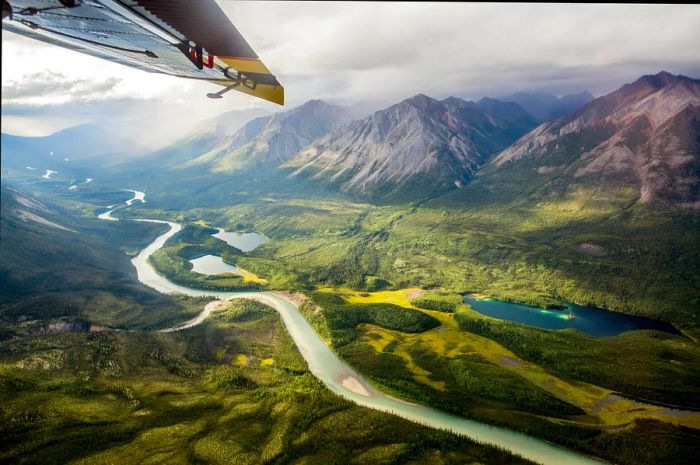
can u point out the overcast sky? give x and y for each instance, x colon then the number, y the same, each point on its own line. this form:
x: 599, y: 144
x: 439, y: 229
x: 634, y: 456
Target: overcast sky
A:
x: 346, y: 52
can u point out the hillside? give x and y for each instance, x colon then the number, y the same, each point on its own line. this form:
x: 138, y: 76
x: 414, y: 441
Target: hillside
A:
x: 640, y: 143
x: 270, y: 141
x: 59, y: 269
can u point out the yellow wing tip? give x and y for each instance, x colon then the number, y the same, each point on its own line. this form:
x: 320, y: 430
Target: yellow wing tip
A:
x: 274, y: 94
x: 278, y: 97
x: 281, y: 101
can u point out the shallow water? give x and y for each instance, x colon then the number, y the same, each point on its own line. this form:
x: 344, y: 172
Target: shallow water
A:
x: 138, y: 195
x: 245, y: 242
x: 212, y: 264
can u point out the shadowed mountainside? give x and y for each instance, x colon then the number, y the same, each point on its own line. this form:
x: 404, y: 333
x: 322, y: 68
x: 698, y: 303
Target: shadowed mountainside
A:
x: 641, y: 142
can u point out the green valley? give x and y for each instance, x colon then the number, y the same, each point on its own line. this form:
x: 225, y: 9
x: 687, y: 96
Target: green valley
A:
x: 233, y: 387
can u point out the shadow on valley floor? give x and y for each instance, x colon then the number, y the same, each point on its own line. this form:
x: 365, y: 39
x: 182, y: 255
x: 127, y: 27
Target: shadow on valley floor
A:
x: 60, y: 268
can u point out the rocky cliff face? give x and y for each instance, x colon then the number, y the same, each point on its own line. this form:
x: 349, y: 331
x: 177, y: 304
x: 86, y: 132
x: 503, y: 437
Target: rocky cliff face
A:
x: 418, y: 146
x: 645, y: 135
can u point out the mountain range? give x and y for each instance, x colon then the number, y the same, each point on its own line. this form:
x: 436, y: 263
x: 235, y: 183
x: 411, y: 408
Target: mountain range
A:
x: 643, y: 137
x: 65, y: 150
x: 640, y: 140
x: 420, y: 144
x: 544, y: 107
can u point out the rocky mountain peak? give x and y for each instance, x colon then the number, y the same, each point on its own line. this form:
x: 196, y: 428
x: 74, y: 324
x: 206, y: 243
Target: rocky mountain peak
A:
x: 644, y: 135
x: 417, y: 146
x: 662, y: 79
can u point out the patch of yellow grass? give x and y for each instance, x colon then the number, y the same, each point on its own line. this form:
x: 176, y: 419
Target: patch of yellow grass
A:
x: 378, y: 338
x: 419, y: 374
x: 241, y: 360
x: 449, y: 341
x: 398, y: 297
x: 267, y: 362
x: 249, y: 277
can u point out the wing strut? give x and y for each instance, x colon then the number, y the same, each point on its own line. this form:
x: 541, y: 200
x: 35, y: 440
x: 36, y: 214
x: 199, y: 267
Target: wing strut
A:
x: 221, y: 93
x: 239, y: 79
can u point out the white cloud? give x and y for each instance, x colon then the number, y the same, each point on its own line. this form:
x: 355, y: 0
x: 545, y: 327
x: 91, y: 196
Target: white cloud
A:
x: 57, y: 75
x: 359, y: 50
x: 400, y: 49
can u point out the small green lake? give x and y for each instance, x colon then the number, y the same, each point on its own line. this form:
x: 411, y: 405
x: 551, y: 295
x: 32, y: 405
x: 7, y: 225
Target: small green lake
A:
x: 590, y: 320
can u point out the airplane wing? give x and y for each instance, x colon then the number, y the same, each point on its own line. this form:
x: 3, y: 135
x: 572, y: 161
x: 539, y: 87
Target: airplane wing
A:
x: 184, y: 38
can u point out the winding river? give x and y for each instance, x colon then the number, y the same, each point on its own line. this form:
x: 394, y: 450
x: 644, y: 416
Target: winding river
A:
x: 337, y: 375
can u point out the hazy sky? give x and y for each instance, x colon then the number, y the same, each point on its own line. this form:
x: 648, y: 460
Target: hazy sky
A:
x: 345, y: 52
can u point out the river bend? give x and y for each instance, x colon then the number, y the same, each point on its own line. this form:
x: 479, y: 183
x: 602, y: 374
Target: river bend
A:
x: 337, y: 375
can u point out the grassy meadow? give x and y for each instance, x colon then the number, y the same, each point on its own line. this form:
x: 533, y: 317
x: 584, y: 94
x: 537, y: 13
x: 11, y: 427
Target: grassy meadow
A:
x: 463, y: 371
x: 233, y: 390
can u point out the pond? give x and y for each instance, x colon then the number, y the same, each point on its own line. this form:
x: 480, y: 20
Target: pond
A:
x: 245, y: 242
x: 212, y: 264
x: 590, y: 320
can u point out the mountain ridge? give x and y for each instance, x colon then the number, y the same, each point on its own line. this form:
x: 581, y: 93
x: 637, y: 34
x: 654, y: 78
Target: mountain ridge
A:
x: 270, y: 140
x: 544, y: 107
x: 433, y: 144
x: 645, y: 135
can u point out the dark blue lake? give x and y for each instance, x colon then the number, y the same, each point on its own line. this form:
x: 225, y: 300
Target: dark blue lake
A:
x: 590, y: 320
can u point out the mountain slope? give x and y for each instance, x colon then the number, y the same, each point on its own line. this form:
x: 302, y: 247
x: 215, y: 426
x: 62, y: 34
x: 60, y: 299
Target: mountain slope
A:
x: 416, y: 147
x: 270, y: 141
x: 203, y: 137
x: 225, y: 124
x: 642, y: 140
x: 546, y: 106
x: 519, y: 121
